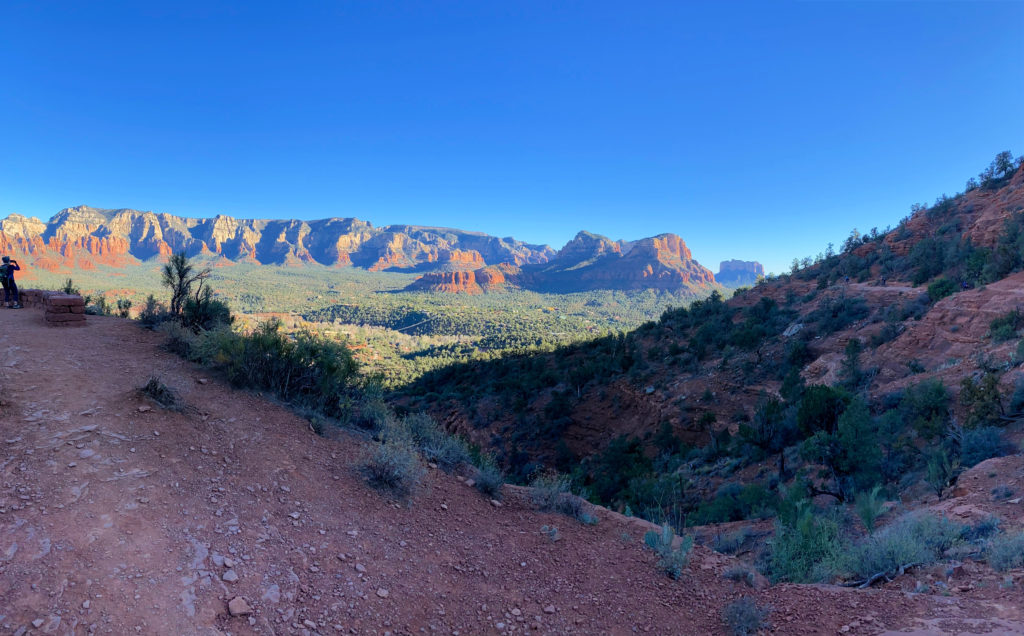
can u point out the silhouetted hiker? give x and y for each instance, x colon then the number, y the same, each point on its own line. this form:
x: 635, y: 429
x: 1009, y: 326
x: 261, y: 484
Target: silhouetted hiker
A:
x: 7, y: 278
x: 963, y: 285
x: 847, y: 280
x: 883, y: 281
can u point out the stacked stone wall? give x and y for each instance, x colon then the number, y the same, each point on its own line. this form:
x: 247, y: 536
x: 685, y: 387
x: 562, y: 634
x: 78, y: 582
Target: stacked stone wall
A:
x: 59, y: 309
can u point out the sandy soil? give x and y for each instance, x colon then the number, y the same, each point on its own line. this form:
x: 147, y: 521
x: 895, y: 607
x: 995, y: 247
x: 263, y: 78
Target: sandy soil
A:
x: 117, y: 517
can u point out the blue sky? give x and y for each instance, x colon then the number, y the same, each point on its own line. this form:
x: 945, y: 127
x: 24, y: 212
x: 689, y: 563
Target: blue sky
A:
x: 754, y: 130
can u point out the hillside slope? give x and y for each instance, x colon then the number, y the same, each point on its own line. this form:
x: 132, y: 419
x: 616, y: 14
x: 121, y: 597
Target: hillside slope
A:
x: 895, y: 309
x: 119, y: 517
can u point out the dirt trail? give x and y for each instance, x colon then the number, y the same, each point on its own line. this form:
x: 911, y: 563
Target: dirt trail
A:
x: 116, y: 519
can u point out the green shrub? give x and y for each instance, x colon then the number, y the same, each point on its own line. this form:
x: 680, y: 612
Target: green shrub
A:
x: 730, y: 543
x: 204, y: 312
x: 305, y: 369
x: 393, y: 467
x: 979, y: 444
x: 942, y: 470
x: 152, y: 313
x: 868, y: 505
x: 744, y: 618
x: 162, y: 394
x: 926, y: 407
x: 100, y: 308
x: 734, y: 502
x: 838, y: 313
x: 740, y: 574
x: 1005, y: 327
x: 805, y: 550
x: 983, y: 399
x: 372, y: 413
x: 915, y: 539
x: 1001, y: 492
x: 552, y: 493
x: 940, y: 289
x: 551, y: 532
x: 820, y: 409
x: 69, y: 288
x: 1006, y: 552
x: 124, y: 306
x: 447, y: 451
x: 489, y: 478
x: 1017, y: 399
x: 671, y: 560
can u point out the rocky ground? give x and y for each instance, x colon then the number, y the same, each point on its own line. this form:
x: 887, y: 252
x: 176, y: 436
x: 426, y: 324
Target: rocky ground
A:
x: 119, y: 517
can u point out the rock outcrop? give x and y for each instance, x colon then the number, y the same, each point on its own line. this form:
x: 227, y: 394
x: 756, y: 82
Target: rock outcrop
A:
x: 83, y: 237
x: 736, y: 273
x: 591, y: 262
x: 451, y: 260
x: 488, y: 278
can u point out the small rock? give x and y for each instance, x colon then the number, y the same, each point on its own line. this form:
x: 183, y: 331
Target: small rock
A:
x: 85, y: 604
x: 218, y: 560
x: 495, y: 503
x: 353, y: 533
x: 238, y: 607
x: 145, y: 409
x: 550, y: 609
x: 360, y: 568
x: 381, y: 592
x: 308, y: 623
x: 230, y: 576
x: 470, y: 482
x: 37, y: 623
x: 500, y: 626
x: 432, y: 465
x: 229, y: 562
x: 202, y: 380
x: 517, y: 612
x: 444, y: 506
x: 342, y: 557
x: 293, y: 515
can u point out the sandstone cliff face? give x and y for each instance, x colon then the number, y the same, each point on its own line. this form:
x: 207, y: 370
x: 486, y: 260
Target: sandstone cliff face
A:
x: 83, y: 236
x: 490, y: 278
x: 452, y: 260
x: 590, y: 261
x: 736, y: 273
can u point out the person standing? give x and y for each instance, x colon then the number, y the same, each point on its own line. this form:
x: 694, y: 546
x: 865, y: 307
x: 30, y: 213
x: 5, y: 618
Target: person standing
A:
x: 7, y: 277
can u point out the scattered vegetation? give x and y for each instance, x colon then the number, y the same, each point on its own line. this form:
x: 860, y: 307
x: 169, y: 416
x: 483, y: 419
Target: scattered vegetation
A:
x: 916, y: 539
x: 489, y: 478
x: 551, y: 492
x: 744, y: 617
x: 1006, y: 552
x: 671, y: 558
x: 393, y: 466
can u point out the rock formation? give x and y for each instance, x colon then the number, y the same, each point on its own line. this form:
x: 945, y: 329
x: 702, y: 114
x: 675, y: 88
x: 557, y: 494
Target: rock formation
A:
x: 84, y: 237
x: 451, y: 260
x: 735, y: 273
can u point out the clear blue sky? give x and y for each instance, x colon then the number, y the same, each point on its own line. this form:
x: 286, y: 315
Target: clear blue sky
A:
x: 756, y: 130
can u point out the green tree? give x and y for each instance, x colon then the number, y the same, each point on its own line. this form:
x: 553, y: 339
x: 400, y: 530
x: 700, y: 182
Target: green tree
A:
x: 183, y: 277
